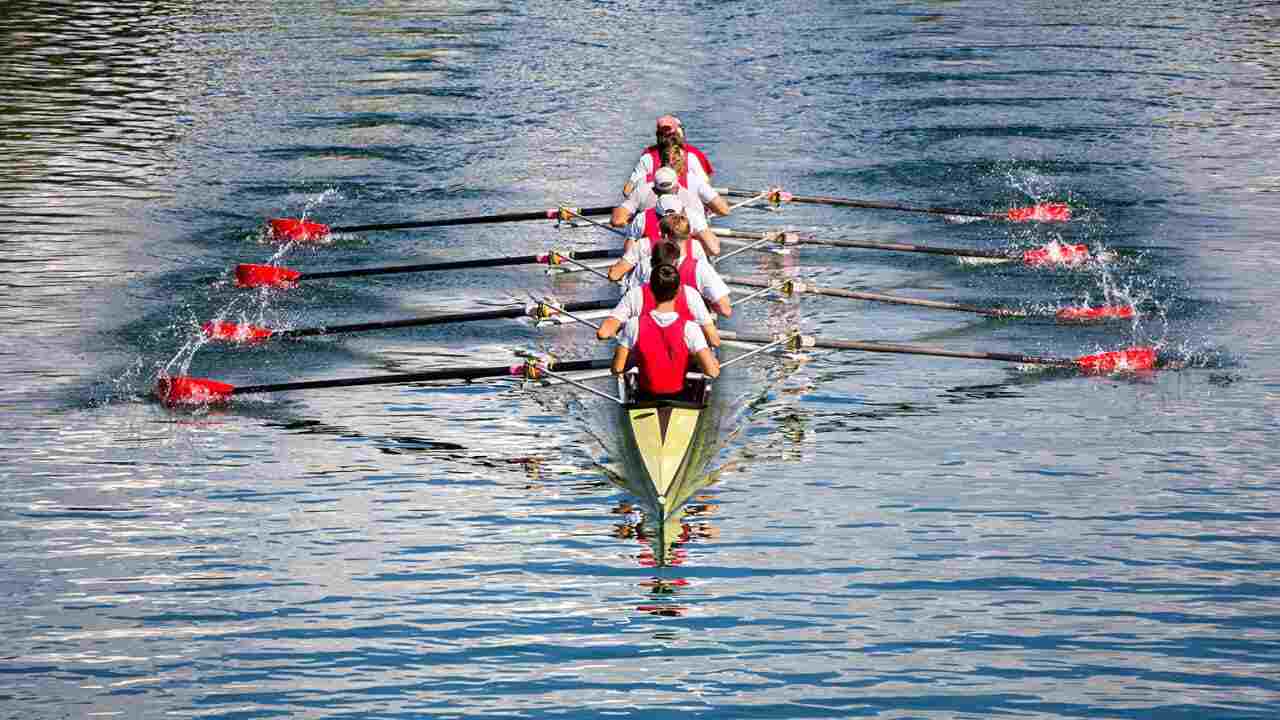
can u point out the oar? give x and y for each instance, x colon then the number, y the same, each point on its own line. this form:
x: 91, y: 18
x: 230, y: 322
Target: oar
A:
x: 1052, y: 254
x: 1129, y: 359
x: 1072, y: 314
x: 250, y: 276
x: 1040, y: 212
x: 186, y: 390
x: 302, y: 230
x: 235, y: 332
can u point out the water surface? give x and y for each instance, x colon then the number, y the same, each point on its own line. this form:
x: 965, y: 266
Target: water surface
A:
x: 891, y: 536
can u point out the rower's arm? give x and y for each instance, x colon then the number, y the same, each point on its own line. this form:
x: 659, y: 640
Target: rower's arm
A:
x: 608, y: 328
x: 643, y: 167
x: 619, y: 269
x: 620, y: 360
x: 719, y: 206
x: 710, y: 365
x: 620, y: 217
x: 723, y: 307
x: 709, y: 241
x: 709, y: 329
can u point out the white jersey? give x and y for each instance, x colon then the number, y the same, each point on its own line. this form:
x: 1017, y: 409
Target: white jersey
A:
x: 696, y: 216
x: 693, y: 337
x: 643, y: 197
x: 707, y: 280
x: 644, y: 169
x: 632, y: 303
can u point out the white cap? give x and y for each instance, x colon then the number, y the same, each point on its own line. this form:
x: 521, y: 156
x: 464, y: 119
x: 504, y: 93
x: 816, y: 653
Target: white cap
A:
x: 669, y: 203
x: 664, y: 180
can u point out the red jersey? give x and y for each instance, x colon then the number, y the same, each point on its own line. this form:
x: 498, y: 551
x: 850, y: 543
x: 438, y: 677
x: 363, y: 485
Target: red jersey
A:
x: 661, y: 356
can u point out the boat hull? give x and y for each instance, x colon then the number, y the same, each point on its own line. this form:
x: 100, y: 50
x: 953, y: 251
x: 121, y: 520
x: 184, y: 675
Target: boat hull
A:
x: 662, y: 435
x: 666, y: 446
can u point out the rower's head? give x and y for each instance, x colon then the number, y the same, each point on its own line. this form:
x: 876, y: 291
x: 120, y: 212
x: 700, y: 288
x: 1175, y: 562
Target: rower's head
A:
x: 674, y: 226
x: 665, y: 253
x: 665, y: 181
x: 669, y: 204
x: 669, y: 130
x: 665, y: 282
x: 670, y: 144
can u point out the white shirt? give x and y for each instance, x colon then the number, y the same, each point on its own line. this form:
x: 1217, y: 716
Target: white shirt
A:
x: 693, y: 337
x: 641, y: 252
x: 643, y: 197
x: 707, y: 280
x: 645, y: 168
x: 697, y: 221
x: 632, y: 303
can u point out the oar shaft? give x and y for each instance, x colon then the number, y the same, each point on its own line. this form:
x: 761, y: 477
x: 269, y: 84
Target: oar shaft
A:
x: 908, y: 350
x: 867, y: 204
x: 880, y: 297
x: 904, y: 247
x: 434, y: 320
x: 475, y: 220
x: 431, y: 375
x: 456, y: 265
x: 868, y: 245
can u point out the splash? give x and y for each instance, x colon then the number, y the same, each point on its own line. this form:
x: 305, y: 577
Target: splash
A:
x: 1199, y: 355
x: 266, y: 237
x: 1030, y: 183
x: 244, y: 309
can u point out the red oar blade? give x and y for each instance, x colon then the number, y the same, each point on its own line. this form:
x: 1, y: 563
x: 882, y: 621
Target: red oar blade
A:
x: 1041, y: 212
x: 186, y: 390
x: 295, y: 230
x: 1084, y: 313
x: 1127, y: 360
x: 251, y: 276
x: 234, y: 332
x: 1056, y: 254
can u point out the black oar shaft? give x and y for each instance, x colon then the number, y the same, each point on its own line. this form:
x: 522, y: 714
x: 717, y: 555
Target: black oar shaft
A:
x: 868, y: 245
x: 434, y: 320
x: 456, y: 265
x: 877, y: 347
x: 904, y: 247
x: 476, y: 220
x: 431, y: 375
x: 881, y: 298
x: 867, y: 204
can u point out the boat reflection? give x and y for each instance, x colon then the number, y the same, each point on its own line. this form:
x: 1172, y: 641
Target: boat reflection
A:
x: 665, y: 543
x: 664, y: 530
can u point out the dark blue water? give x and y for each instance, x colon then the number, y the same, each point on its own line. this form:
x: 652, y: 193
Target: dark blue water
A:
x: 880, y: 535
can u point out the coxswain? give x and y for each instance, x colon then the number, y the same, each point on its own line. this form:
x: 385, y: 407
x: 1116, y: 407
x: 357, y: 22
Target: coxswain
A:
x: 661, y: 342
x: 672, y: 151
x: 639, y: 300
x: 633, y: 212
x: 695, y: 270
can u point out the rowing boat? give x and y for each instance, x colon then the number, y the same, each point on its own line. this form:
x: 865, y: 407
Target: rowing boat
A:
x: 666, y: 444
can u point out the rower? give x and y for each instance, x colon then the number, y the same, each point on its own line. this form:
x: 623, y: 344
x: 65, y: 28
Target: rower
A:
x: 644, y: 230
x: 662, y: 341
x: 646, y: 197
x: 695, y: 270
x: 672, y: 151
x: 639, y: 301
